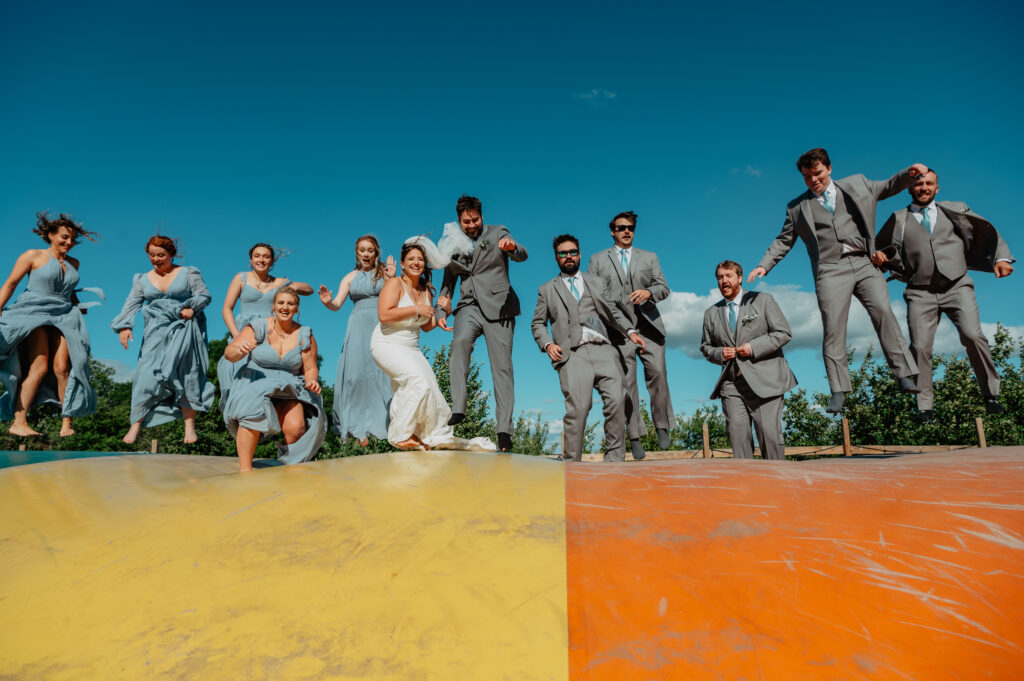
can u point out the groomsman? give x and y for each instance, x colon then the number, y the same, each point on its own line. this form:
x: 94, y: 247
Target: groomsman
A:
x: 582, y: 319
x: 745, y: 332
x: 634, y: 279
x: 487, y: 306
x: 930, y: 245
x: 836, y: 221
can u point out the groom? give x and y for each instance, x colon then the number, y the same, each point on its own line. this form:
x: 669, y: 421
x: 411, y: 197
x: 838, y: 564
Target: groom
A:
x: 488, y: 306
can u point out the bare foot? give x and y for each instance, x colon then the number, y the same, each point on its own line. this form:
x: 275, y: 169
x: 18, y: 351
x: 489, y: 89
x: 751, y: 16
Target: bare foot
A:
x: 132, y: 434
x: 364, y: 442
x: 66, y: 430
x: 412, y: 443
x: 190, y: 434
x: 22, y: 430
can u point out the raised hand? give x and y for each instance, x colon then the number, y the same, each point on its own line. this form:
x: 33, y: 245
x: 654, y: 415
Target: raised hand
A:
x: 326, y: 295
x: 389, y: 266
x: 756, y: 273
x: 507, y: 244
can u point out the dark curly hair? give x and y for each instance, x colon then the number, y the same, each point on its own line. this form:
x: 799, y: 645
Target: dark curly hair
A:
x: 426, y: 274
x: 45, y: 227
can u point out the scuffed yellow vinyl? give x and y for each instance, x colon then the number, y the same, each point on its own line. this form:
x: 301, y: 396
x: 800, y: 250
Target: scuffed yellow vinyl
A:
x: 404, y: 566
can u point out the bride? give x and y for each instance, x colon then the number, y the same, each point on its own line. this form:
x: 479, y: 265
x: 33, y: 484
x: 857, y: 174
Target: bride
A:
x: 419, y: 412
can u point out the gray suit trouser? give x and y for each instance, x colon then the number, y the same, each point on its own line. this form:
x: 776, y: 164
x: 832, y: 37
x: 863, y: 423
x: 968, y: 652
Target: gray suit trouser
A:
x: 656, y: 376
x: 835, y: 286
x: 469, y: 325
x: 587, y: 367
x: 924, y: 310
x: 741, y: 406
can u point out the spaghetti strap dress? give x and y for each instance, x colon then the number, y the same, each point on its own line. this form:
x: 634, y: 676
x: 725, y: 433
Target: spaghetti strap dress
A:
x: 47, y: 301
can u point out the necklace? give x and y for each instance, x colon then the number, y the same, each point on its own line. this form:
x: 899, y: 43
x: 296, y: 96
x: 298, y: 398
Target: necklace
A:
x: 263, y: 285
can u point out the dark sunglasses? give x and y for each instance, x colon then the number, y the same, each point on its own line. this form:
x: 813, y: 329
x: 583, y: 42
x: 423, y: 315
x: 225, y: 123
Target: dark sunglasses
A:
x: 565, y: 254
x: 619, y: 228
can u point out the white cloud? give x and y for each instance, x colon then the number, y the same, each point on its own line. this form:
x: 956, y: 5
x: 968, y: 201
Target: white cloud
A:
x: 122, y: 372
x: 596, y: 97
x: 749, y: 170
x: 683, y: 313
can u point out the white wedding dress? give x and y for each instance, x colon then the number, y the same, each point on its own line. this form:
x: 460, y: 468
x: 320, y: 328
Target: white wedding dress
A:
x: 417, y: 405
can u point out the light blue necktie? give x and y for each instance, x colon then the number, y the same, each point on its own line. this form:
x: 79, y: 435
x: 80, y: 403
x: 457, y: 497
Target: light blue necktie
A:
x: 732, y: 316
x: 926, y: 219
x: 624, y: 260
x: 830, y: 203
x: 575, y: 291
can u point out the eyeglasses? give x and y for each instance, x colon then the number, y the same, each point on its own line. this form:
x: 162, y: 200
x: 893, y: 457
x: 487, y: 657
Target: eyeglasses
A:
x: 619, y: 228
x: 570, y: 253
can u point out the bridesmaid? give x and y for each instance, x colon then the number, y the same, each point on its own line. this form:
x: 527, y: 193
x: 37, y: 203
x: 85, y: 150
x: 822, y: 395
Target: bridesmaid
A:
x: 255, y: 292
x: 43, y: 333
x: 362, y: 392
x: 277, y: 390
x: 170, y: 379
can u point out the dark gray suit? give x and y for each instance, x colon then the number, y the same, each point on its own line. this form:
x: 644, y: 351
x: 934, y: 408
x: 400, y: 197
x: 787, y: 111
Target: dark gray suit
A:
x: 838, y: 276
x: 587, y: 366
x: 488, y: 306
x: 935, y: 265
x: 751, y: 388
x: 644, y: 273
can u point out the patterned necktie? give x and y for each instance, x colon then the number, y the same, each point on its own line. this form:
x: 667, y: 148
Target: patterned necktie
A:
x: 624, y: 260
x: 830, y: 203
x: 575, y: 291
x: 926, y: 219
x: 732, y: 316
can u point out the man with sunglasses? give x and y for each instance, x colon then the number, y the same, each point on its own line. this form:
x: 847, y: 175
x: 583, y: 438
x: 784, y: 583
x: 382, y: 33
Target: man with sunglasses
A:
x: 582, y: 319
x: 635, y: 281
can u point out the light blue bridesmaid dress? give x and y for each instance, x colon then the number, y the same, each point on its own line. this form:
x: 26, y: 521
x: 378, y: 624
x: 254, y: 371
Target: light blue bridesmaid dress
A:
x: 266, y: 377
x: 174, y: 356
x: 362, y: 392
x: 252, y: 303
x: 46, y: 301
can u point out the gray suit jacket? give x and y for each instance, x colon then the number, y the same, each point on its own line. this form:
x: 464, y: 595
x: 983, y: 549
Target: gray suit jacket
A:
x: 761, y: 323
x: 644, y: 273
x: 487, y: 266
x: 556, y: 304
x: 861, y: 196
x: 982, y: 244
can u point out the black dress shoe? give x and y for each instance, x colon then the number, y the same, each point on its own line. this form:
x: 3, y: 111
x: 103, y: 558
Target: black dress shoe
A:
x: 504, y: 442
x: 835, y: 405
x: 994, y: 406
x: 923, y: 416
x: 456, y: 418
x: 909, y: 384
x: 637, y: 449
x: 664, y: 439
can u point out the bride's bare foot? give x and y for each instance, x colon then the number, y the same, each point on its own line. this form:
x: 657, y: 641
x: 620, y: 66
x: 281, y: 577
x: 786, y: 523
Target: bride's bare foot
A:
x: 412, y: 443
x: 190, y: 433
x: 65, y: 427
x: 132, y: 434
x: 23, y: 430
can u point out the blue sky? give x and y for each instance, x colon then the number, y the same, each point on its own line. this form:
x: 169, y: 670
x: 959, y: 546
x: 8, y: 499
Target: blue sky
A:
x: 307, y: 124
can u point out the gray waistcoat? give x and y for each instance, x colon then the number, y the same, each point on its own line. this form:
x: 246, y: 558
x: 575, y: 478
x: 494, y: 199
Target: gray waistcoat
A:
x: 833, y: 230
x: 937, y: 259
x: 587, y: 314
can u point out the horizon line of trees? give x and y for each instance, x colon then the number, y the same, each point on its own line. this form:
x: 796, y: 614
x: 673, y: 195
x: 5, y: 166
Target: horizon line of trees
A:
x: 878, y: 413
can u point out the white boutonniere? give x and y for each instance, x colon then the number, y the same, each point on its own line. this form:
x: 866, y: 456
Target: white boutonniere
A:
x: 483, y: 243
x: 749, y: 318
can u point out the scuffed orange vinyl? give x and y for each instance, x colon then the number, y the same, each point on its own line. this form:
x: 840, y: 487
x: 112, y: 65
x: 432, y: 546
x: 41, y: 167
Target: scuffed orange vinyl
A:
x: 728, y: 570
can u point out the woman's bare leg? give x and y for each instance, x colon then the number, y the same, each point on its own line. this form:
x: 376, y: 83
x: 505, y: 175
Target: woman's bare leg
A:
x: 292, y: 419
x: 189, y: 415
x: 62, y: 370
x: 245, y: 443
x: 37, y: 351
